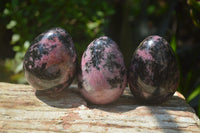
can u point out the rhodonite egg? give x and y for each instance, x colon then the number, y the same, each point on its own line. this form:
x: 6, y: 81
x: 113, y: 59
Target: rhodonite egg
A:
x: 50, y: 61
x: 153, y: 73
x: 103, y: 73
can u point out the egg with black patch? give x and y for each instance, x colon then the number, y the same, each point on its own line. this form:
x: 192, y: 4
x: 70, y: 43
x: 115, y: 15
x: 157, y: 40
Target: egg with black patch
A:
x: 50, y: 62
x: 153, y: 73
x: 103, y: 74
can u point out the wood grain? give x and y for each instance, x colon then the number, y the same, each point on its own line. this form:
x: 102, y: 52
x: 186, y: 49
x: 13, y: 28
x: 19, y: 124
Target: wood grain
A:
x: 22, y: 109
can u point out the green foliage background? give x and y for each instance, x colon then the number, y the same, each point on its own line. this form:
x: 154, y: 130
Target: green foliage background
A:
x: 128, y: 22
x: 83, y: 19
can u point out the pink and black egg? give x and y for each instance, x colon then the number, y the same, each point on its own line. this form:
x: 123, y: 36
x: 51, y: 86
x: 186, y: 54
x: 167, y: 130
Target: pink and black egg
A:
x: 50, y: 62
x: 103, y: 74
x: 153, y: 73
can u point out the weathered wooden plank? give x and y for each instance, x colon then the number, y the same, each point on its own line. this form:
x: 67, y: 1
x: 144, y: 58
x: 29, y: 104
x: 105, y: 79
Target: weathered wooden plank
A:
x: 24, y: 110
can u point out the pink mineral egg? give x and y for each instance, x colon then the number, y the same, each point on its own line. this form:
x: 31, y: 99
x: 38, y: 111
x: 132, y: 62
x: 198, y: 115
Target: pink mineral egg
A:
x: 153, y: 73
x: 50, y: 62
x: 103, y: 74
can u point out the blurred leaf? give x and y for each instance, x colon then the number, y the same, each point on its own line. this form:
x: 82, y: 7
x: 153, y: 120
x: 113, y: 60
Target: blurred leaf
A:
x: 194, y: 4
x: 26, y: 45
x: 15, y: 38
x: 37, y: 13
x: 173, y: 43
x: 100, y: 13
x: 198, y: 113
x: 92, y: 25
x: 195, y: 18
x: 195, y: 93
x: 9, y: 64
x: 19, y: 78
x: 6, y: 11
x: 111, y: 12
x: 195, y: 12
x: 11, y: 24
x: 16, y: 48
x: 19, y: 68
x: 19, y: 56
x: 151, y: 9
x: 14, y: 3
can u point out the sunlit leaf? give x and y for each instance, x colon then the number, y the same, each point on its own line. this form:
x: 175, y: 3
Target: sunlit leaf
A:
x: 100, y: 13
x: 195, y: 93
x: 19, y: 68
x: 16, y: 48
x: 92, y: 25
x: 173, y: 43
x: 6, y: 11
x: 26, y: 45
x: 15, y: 38
x: 11, y: 24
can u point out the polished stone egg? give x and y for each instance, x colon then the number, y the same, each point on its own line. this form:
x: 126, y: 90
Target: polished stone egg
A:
x: 103, y: 74
x: 153, y: 73
x: 50, y: 62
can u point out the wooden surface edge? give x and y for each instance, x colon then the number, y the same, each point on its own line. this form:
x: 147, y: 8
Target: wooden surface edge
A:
x: 22, y: 109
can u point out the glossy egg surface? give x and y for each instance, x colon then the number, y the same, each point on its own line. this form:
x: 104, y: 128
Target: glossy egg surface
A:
x: 103, y: 73
x: 50, y: 61
x: 153, y: 73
